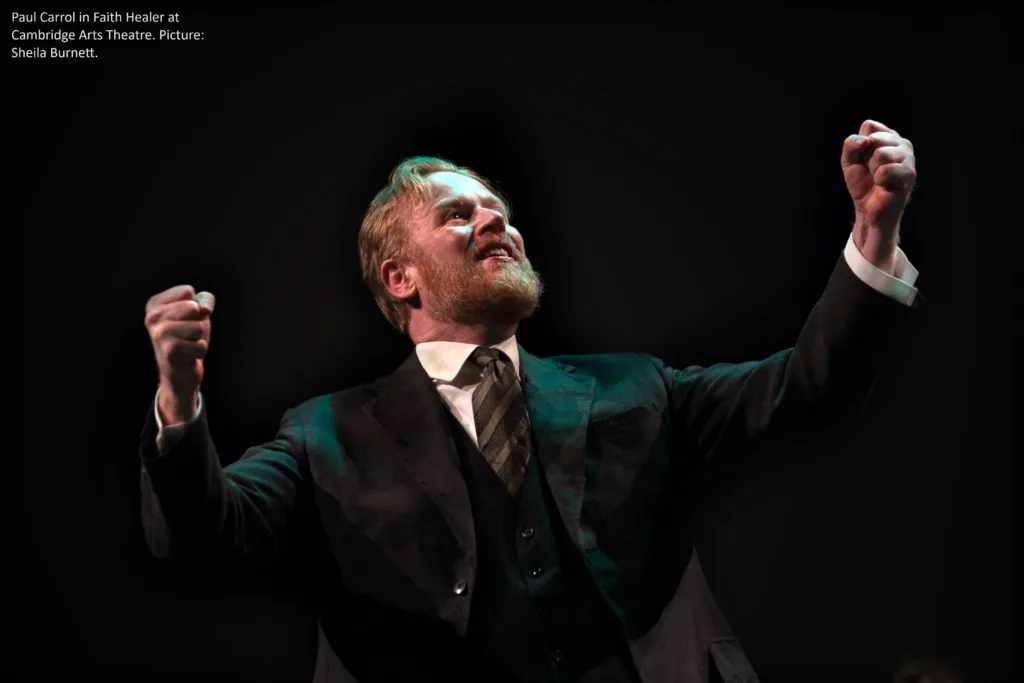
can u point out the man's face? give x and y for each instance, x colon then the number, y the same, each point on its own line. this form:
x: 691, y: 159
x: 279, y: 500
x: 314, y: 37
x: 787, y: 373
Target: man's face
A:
x: 468, y: 263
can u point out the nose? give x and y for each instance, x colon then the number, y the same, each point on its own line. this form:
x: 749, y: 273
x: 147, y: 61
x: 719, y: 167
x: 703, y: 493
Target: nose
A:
x: 490, y: 221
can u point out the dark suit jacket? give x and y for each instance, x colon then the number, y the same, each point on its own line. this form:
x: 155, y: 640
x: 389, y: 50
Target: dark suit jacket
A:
x: 373, y: 469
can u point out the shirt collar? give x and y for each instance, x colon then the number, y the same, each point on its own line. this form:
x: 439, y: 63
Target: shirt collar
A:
x: 443, y: 359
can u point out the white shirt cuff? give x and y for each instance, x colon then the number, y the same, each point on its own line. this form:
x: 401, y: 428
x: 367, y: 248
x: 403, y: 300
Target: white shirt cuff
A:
x: 899, y: 286
x: 167, y: 436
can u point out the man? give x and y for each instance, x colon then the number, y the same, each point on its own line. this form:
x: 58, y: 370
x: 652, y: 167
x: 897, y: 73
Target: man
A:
x: 483, y: 514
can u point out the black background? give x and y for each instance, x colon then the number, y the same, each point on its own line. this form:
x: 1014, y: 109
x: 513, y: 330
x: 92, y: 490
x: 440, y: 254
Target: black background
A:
x: 676, y: 178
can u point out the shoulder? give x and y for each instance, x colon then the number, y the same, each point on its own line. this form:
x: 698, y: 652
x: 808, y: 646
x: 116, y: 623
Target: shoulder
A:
x: 610, y: 366
x: 340, y: 401
x: 322, y: 407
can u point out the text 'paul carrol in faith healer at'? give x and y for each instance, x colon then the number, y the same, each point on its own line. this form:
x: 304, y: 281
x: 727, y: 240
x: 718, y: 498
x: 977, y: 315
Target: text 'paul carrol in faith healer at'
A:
x: 94, y: 17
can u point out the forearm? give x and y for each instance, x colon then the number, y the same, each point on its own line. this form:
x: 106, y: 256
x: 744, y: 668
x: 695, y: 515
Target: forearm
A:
x: 187, y: 501
x: 834, y: 363
x: 839, y: 351
x: 193, y: 506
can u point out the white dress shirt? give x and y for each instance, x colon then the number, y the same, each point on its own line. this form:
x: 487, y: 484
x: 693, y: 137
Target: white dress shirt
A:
x: 443, y: 360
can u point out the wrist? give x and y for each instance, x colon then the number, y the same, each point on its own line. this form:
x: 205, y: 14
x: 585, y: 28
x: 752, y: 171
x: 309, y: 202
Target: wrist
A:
x: 876, y: 244
x: 176, y: 406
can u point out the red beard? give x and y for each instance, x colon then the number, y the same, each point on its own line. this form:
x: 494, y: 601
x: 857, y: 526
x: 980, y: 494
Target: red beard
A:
x: 472, y: 291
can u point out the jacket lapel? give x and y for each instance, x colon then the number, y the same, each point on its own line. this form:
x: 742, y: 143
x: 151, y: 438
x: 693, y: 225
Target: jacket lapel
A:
x: 559, y: 404
x: 410, y: 410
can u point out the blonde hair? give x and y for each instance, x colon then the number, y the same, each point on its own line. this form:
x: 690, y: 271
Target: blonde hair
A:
x: 382, y: 235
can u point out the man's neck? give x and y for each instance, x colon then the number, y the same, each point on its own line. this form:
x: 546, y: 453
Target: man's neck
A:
x: 480, y: 334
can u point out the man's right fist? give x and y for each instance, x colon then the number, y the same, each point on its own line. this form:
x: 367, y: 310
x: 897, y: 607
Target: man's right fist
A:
x: 178, y: 322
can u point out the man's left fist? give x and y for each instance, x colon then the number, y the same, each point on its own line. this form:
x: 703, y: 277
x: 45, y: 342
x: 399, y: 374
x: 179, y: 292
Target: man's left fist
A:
x: 880, y: 172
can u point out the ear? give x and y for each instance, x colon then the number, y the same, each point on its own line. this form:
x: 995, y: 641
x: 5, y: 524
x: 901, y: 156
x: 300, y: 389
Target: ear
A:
x: 400, y: 281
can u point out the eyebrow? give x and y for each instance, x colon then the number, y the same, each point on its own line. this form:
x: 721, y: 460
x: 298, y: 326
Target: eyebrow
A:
x: 493, y: 202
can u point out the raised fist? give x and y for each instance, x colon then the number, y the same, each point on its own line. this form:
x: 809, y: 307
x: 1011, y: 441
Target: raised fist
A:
x: 178, y: 322
x: 880, y: 171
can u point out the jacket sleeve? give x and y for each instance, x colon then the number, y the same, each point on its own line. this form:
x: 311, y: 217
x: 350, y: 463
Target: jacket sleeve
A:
x: 834, y: 364
x: 191, y: 505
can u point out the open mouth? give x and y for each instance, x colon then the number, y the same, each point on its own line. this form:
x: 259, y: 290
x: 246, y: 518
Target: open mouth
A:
x: 496, y: 253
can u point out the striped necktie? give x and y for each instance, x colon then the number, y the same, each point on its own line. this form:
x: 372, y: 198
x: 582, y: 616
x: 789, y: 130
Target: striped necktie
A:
x: 502, y: 423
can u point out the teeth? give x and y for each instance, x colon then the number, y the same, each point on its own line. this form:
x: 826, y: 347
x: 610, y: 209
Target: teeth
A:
x: 494, y: 252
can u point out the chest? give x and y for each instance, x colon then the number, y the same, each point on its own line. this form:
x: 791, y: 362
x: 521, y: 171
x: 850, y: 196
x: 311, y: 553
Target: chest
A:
x: 401, y: 518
